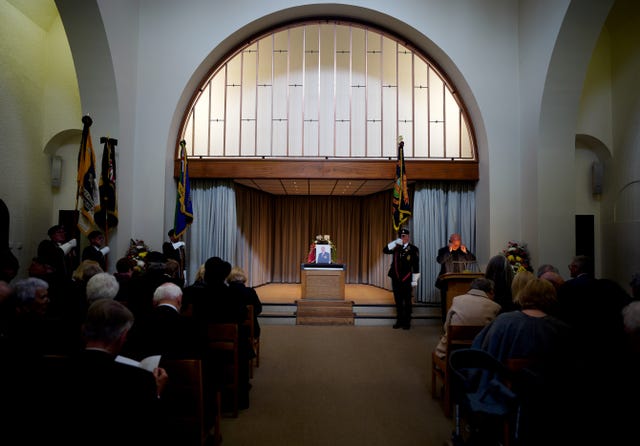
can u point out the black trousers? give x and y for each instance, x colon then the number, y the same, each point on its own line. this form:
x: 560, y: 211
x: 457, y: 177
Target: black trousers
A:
x: 402, y: 297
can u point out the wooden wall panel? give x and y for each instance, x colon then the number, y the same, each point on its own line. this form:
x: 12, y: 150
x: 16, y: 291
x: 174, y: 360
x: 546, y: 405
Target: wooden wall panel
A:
x: 328, y: 169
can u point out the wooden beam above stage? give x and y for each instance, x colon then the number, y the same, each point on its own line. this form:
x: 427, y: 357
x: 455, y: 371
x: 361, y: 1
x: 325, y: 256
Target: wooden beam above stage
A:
x: 328, y: 169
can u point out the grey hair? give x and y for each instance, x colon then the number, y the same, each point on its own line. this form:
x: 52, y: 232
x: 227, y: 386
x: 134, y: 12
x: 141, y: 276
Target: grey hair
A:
x: 482, y: 284
x: 102, y: 286
x: 545, y: 269
x: 631, y: 317
x: 167, y: 291
x: 25, y: 289
x: 106, y: 321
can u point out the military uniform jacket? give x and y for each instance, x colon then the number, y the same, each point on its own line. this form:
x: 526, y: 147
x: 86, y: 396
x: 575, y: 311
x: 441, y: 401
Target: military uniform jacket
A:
x: 406, y: 261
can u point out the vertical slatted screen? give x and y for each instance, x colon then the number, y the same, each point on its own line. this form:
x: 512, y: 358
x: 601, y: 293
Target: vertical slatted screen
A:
x: 327, y: 90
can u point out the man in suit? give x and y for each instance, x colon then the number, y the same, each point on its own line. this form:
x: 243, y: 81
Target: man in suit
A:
x: 165, y: 331
x: 451, y: 258
x: 404, y: 273
x: 454, y: 252
x: 113, y: 402
x: 88, y: 396
x: 95, y: 251
x: 324, y: 256
x: 175, y: 249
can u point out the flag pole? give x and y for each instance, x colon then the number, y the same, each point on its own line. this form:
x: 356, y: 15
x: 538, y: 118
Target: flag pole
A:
x: 103, y: 140
x: 86, y: 121
x: 109, y: 146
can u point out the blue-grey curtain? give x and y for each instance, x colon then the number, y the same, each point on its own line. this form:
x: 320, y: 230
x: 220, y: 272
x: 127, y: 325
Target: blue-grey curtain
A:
x: 214, y: 228
x: 268, y: 236
x: 439, y: 210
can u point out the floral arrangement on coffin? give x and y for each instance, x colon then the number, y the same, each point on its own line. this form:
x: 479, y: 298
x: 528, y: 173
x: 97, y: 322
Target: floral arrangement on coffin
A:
x: 137, y: 251
x: 321, y: 240
x: 518, y: 256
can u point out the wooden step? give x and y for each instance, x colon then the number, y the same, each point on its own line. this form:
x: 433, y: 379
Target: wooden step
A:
x: 324, y: 312
x: 319, y: 320
x: 324, y: 303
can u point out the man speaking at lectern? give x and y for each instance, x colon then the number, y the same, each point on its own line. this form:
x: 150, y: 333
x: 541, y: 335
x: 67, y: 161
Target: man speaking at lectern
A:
x: 404, y: 273
x: 453, y: 258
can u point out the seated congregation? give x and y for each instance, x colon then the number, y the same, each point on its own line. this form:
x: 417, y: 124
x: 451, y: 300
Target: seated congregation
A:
x: 74, y: 351
x: 567, y: 354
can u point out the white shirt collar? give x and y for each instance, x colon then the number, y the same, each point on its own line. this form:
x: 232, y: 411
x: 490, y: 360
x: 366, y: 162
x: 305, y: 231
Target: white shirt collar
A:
x: 168, y: 305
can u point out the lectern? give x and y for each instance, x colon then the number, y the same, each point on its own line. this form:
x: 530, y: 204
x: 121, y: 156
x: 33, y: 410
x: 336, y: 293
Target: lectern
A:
x: 452, y: 285
x: 322, y: 281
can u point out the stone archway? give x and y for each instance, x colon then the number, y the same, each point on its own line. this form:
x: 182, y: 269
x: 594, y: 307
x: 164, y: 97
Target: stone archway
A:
x: 555, y: 156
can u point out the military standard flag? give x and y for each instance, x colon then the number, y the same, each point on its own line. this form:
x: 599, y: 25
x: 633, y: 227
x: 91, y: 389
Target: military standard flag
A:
x: 106, y: 216
x: 400, y: 203
x: 87, y: 196
x: 184, y: 209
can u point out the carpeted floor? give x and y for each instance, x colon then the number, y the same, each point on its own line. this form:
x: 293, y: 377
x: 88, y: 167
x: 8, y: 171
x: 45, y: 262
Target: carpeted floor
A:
x: 320, y: 385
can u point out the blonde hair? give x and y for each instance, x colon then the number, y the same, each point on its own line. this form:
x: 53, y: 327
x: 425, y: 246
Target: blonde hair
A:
x: 237, y: 274
x: 200, y: 274
x: 538, y: 294
x: 86, y: 270
x: 519, y: 281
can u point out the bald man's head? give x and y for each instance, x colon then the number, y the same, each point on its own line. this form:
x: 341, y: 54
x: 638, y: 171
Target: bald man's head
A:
x: 553, y: 277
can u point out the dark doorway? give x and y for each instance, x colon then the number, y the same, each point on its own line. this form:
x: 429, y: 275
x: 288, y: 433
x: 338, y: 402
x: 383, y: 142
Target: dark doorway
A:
x: 585, y: 241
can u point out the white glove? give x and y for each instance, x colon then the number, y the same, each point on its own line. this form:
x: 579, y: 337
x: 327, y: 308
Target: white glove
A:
x: 391, y: 246
x: 177, y: 245
x: 105, y: 250
x: 414, y: 279
x: 68, y: 246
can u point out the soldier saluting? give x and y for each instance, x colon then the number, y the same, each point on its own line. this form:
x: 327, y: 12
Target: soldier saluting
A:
x: 404, y: 273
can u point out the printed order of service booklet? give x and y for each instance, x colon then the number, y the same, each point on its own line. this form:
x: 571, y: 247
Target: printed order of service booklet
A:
x: 149, y: 363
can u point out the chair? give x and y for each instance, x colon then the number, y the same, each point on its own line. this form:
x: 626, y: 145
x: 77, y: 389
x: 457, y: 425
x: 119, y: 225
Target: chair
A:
x: 249, y: 325
x: 458, y: 336
x: 482, y: 393
x: 184, y: 400
x: 223, y: 339
x: 256, y: 347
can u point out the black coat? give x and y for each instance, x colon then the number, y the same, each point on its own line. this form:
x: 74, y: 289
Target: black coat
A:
x: 92, y: 399
x: 216, y: 304
x: 164, y: 331
x: 406, y: 261
x: 447, y: 260
x: 51, y: 254
x: 91, y: 253
x: 249, y: 296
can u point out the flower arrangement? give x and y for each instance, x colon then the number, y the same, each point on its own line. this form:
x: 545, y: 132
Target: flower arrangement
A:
x: 137, y: 251
x: 321, y: 240
x: 518, y: 256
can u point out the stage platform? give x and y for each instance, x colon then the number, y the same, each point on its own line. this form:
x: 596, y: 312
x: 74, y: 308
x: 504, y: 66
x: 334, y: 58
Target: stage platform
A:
x: 288, y: 293
x: 371, y: 305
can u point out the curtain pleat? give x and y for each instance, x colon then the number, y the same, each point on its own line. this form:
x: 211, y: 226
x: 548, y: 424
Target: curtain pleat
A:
x: 213, y: 232
x: 440, y: 209
x: 269, y: 236
x: 254, y: 252
x: 291, y: 237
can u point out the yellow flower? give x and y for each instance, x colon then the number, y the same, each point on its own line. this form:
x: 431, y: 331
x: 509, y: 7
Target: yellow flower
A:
x: 511, y: 258
x: 519, y: 259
